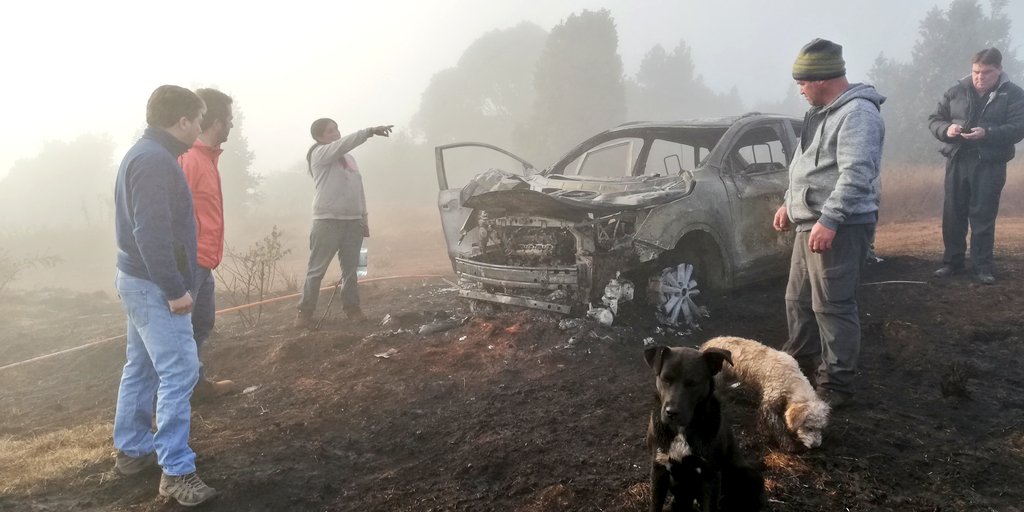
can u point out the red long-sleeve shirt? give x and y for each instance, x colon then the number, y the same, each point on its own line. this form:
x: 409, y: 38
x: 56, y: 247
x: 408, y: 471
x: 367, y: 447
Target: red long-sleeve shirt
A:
x: 200, y: 166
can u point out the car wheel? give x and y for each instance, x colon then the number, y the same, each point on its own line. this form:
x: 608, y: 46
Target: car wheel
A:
x: 684, y: 273
x: 672, y: 294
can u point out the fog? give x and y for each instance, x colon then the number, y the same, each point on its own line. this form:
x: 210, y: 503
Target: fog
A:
x: 75, y: 67
x: 78, y: 76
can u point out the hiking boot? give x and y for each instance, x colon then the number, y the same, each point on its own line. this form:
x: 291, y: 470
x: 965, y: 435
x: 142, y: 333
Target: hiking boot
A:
x: 129, y: 466
x: 303, y: 320
x: 947, y: 271
x: 834, y: 399
x: 985, y: 277
x: 187, y: 490
x: 206, y: 389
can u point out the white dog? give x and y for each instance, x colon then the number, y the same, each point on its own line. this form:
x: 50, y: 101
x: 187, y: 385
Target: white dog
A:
x: 789, y: 407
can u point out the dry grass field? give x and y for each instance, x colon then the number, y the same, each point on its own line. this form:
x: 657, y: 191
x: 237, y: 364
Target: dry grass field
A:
x: 503, y: 413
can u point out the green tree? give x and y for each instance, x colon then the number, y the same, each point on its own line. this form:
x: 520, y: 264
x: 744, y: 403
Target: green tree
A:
x: 488, y: 94
x: 667, y: 88
x: 239, y: 184
x: 791, y: 104
x: 941, y: 56
x: 579, y: 86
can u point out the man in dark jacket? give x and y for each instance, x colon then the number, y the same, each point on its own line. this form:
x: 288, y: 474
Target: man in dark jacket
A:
x: 979, y: 120
x: 156, y: 265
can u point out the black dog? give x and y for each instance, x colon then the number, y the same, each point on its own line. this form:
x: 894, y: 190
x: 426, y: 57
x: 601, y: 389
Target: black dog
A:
x: 693, y: 452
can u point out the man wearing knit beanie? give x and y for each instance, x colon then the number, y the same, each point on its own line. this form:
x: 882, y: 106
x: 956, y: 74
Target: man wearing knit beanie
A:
x: 832, y: 202
x: 819, y: 59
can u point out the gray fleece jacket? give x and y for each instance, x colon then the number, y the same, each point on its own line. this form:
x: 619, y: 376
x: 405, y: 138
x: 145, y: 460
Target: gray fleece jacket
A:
x: 834, y: 177
x: 339, y: 186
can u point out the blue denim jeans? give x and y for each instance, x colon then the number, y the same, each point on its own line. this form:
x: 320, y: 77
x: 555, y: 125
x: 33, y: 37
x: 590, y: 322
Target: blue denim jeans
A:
x: 330, y: 237
x: 162, y: 364
x: 204, y: 309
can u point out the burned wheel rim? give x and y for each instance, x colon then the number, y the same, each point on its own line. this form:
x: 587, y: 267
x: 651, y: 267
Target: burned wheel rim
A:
x: 673, y: 292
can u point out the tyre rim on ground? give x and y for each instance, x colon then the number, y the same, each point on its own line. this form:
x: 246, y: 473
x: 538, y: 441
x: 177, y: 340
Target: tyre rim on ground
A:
x: 674, y: 291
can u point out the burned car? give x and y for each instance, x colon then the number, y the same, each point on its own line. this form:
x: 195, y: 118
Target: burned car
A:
x: 672, y: 207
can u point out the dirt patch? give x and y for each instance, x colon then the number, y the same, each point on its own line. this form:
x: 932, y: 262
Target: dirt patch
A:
x: 503, y: 412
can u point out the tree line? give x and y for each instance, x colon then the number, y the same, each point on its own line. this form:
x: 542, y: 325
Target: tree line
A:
x: 534, y: 92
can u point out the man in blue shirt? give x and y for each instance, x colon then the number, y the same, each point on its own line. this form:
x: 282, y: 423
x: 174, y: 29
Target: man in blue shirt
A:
x: 156, y: 265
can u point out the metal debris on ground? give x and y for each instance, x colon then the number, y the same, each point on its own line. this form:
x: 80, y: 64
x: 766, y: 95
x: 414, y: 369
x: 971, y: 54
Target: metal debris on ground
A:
x: 602, y: 315
x: 385, y: 355
x: 386, y: 320
x: 442, y: 325
x: 648, y: 341
x: 617, y: 291
x: 387, y: 334
x: 249, y: 389
x: 445, y: 290
x: 569, y: 323
x: 571, y: 342
x: 596, y: 336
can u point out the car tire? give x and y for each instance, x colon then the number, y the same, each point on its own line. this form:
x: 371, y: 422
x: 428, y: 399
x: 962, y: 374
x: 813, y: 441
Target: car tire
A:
x: 704, y: 274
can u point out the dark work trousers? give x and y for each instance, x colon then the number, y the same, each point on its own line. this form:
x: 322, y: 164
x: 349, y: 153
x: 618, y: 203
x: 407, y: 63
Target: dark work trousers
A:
x: 328, y: 238
x: 821, y: 306
x: 204, y: 309
x: 973, y: 188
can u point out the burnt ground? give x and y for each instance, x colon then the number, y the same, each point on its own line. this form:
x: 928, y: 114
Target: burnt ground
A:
x: 503, y: 413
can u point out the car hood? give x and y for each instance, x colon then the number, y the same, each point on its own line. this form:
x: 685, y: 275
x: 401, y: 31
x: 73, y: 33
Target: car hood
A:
x: 496, y: 188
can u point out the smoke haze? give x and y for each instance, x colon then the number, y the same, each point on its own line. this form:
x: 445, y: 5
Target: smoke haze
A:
x: 79, y: 74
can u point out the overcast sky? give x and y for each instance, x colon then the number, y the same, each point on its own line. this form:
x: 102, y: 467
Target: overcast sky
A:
x: 73, y: 67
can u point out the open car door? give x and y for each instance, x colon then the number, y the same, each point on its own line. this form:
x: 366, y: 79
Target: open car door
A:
x: 452, y: 175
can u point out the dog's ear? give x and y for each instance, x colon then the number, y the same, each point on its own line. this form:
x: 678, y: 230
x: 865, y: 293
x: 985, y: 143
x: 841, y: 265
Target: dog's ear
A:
x: 796, y: 415
x: 655, y: 356
x: 714, y: 357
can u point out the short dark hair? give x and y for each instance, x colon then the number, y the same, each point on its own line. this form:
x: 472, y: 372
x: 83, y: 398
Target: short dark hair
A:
x: 317, y: 128
x: 170, y: 103
x: 988, y: 57
x: 218, y: 106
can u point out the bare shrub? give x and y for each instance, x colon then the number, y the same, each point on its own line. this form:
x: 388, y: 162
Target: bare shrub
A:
x: 11, y: 266
x: 249, y: 277
x: 290, y: 280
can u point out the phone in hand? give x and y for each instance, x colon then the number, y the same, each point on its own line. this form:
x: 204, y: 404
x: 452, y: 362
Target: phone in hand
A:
x: 966, y: 132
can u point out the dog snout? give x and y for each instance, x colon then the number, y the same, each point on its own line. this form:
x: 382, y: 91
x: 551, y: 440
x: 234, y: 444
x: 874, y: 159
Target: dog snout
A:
x: 675, y: 415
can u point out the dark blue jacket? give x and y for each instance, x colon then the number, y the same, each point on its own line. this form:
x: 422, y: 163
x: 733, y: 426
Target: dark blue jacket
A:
x: 1002, y: 117
x: 156, y: 229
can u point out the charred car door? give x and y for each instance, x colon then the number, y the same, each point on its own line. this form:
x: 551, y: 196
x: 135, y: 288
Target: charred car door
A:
x: 755, y: 173
x: 460, y: 232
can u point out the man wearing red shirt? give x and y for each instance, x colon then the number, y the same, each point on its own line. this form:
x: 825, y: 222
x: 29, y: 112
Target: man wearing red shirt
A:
x: 200, y: 166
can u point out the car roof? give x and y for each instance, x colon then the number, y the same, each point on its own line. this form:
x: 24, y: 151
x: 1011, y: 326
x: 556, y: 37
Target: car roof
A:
x: 709, y: 122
